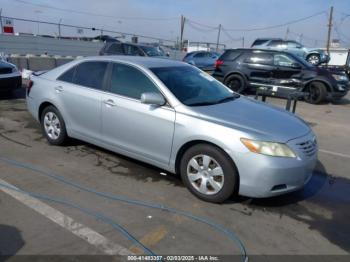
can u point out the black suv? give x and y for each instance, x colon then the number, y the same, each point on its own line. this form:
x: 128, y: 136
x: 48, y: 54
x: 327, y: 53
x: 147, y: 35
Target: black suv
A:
x: 241, y: 69
x: 118, y: 48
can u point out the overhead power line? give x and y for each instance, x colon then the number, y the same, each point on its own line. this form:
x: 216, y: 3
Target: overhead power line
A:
x: 267, y: 27
x: 198, y: 28
x: 95, y: 14
x: 230, y: 37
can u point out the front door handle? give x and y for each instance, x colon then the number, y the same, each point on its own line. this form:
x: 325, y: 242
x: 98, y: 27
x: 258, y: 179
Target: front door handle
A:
x: 59, y: 89
x: 109, y: 102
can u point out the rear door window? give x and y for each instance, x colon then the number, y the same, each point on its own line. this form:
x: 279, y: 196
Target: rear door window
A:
x: 277, y: 43
x: 115, y: 49
x: 201, y: 55
x: 90, y: 74
x: 67, y: 76
x: 132, y: 50
x: 260, y: 42
x: 230, y: 55
x: 259, y: 58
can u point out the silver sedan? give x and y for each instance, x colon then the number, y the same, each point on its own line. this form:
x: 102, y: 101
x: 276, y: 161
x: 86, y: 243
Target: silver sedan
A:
x: 178, y: 118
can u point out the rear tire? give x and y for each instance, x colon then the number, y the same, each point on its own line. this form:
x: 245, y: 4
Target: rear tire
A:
x: 208, y: 173
x: 317, y: 93
x: 53, y: 126
x: 236, y: 83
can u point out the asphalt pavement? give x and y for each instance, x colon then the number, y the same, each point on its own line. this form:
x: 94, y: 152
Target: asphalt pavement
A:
x: 313, y: 221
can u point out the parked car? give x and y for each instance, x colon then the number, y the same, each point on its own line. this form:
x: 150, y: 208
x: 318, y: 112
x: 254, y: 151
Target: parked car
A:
x: 202, y: 59
x: 174, y: 116
x: 242, y: 69
x: 314, y: 56
x: 10, y: 77
x: 118, y: 48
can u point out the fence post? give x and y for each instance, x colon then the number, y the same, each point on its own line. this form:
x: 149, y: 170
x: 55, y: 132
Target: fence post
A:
x: 59, y: 28
x: 2, y: 28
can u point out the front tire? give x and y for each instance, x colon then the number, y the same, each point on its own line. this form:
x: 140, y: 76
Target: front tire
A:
x: 317, y: 93
x: 208, y: 173
x: 53, y: 126
x: 314, y: 59
x: 236, y: 83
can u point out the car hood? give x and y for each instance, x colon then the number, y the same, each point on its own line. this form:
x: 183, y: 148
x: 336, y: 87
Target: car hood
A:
x: 260, y: 120
x: 4, y: 64
x: 316, y: 50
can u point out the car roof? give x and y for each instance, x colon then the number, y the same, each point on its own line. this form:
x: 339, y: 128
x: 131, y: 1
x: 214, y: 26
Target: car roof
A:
x: 268, y: 38
x: 147, y: 62
x: 257, y: 50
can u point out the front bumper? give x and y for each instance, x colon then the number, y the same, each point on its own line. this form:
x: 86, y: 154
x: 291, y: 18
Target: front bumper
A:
x: 341, y: 89
x: 265, y: 176
x: 10, y: 82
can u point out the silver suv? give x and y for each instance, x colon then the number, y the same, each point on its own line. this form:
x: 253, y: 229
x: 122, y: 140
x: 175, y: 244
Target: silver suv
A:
x: 314, y: 56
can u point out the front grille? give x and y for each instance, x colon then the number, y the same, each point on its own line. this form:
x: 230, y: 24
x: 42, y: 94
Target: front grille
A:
x: 308, y: 147
x: 6, y: 70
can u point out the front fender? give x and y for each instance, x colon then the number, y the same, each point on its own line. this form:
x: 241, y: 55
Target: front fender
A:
x: 323, y: 80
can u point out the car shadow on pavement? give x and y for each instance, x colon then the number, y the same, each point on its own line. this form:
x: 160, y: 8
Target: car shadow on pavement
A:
x: 11, y: 241
x: 323, y: 205
x: 343, y: 101
x: 114, y: 163
x: 15, y: 94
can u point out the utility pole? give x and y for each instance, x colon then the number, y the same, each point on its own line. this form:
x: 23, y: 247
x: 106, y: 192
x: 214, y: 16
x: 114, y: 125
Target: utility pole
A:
x: 59, y: 28
x: 243, y: 41
x: 2, y: 28
x: 301, y: 38
x: 330, y: 24
x: 218, y: 39
x: 287, y: 34
x: 182, y: 27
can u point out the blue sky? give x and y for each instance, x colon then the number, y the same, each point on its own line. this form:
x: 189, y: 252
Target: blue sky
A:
x: 232, y: 14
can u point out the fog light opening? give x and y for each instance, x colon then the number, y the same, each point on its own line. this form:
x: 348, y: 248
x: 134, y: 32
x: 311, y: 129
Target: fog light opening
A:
x: 279, y: 187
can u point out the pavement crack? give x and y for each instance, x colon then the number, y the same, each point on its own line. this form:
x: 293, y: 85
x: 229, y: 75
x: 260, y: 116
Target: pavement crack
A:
x: 14, y: 141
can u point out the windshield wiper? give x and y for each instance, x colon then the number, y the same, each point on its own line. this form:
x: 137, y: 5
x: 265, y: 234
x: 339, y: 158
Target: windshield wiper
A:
x: 203, y: 103
x: 229, y: 98
x: 223, y: 100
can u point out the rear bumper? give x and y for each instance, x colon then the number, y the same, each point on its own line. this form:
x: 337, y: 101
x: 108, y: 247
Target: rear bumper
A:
x: 10, y: 82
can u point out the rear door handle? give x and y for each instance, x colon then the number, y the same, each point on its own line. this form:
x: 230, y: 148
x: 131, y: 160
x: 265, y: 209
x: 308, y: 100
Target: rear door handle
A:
x: 59, y: 89
x: 109, y: 102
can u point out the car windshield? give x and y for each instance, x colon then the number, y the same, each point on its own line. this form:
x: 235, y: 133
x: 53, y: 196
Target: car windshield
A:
x: 192, y: 86
x: 152, y: 51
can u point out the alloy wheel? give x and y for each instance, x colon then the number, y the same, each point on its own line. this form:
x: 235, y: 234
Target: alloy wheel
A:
x: 205, y: 174
x: 314, y: 60
x: 52, y: 125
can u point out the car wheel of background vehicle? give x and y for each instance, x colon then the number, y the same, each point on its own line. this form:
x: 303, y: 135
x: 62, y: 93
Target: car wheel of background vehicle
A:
x: 53, y: 126
x: 317, y: 92
x: 208, y: 173
x: 313, y: 59
x: 236, y: 83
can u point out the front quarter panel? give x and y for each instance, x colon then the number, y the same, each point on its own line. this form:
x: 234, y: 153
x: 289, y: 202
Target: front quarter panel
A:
x: 189, y: 128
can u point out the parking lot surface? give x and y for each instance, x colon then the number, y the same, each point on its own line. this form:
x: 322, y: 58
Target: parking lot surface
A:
x: 314, y: 221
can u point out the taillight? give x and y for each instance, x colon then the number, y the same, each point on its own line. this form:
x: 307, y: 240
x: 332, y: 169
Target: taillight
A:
x: 29, y: 86
x: 218, y: 63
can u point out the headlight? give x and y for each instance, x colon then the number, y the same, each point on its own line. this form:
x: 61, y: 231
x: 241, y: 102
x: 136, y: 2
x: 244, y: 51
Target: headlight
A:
x: 340, y: 77
x: 14, y: 69
x: 268, y: 148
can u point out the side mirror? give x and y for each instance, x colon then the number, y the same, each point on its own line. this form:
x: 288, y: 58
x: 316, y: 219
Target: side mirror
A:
x: 152, y: 99
x: 296, y: 66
